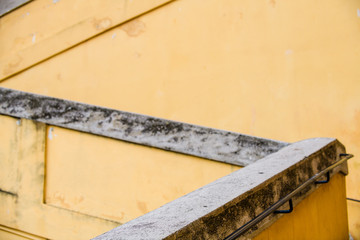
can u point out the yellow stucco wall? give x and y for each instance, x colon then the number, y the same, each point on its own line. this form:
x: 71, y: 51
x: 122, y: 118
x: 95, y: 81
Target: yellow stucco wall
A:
x: 62, y: 184
x: 277, y: 69
x: 116, y: 180
x: 7, y: 233
x: 322, y: 215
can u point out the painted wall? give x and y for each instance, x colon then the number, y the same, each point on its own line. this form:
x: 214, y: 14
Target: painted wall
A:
x: 322, y: 215
x: 62, y: 184
x: 275, y: 69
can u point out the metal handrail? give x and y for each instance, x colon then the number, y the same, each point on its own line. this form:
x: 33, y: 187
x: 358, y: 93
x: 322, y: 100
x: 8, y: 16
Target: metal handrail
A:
x: 237, y: 233
x: 353, y: 199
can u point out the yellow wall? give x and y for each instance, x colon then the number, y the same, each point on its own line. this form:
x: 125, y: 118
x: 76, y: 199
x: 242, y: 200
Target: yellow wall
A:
x: 277, y: 69
x: 70, y: 185
x: 322, y: 215
x: 24, y: 208
x: 117, y: 180
x: 7, y: 233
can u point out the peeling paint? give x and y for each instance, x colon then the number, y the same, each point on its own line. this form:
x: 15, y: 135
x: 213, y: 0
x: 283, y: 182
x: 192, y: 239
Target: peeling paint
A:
x: 101, y: 24
x: 33, y: 38
x: 18, y: 122
x: 113, y: 36
x: 358, y: 12
x: 134, y: 28
x: 50, y: 136
x: 55, y: 1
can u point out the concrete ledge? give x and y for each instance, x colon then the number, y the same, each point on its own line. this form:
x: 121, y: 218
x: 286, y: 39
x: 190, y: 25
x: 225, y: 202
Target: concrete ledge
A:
x: 7, y: 6
x: 219, y: 208
x: 219, y: 145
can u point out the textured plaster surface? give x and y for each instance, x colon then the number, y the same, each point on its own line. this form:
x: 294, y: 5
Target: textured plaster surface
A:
x: 217, y: 209
x: 224, y: 146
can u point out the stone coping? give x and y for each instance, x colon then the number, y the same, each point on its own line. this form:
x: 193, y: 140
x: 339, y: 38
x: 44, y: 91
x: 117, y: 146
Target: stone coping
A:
x: 204, y: 142
x: 6, y: 6
x: 219, y: 208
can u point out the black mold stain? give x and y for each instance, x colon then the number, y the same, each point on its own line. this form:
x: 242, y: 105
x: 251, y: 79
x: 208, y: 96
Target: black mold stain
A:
x: 224, y: 221
x: 67, y: 113
x: 199, y: 132
x: 126, y: 121
x: 155, y: 126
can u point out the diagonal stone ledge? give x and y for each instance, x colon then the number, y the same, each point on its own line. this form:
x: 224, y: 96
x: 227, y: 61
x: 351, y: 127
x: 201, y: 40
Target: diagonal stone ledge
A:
x: 214, y: 144
x: 219, y: 208
x: 6, y: 6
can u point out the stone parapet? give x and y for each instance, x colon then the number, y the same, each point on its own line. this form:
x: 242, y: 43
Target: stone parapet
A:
x: 219, y: 208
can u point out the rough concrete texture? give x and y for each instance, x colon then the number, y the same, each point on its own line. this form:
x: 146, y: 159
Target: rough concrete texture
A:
x: 10, y: 5
x: 219, y: 208
x: 224, y: 146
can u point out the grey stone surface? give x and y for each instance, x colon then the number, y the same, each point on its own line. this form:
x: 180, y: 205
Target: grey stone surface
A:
x: 7, y: 6
x: 217, y: 209
x: 219, y: 145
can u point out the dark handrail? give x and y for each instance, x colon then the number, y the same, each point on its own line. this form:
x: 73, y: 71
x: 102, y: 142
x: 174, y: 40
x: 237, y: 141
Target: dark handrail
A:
x: 237, y: 233
x: 352, y: 199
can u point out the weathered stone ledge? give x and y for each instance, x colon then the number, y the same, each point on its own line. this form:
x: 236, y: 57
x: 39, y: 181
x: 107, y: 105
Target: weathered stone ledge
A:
x: 219, y: 208
x: 214, y: 144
